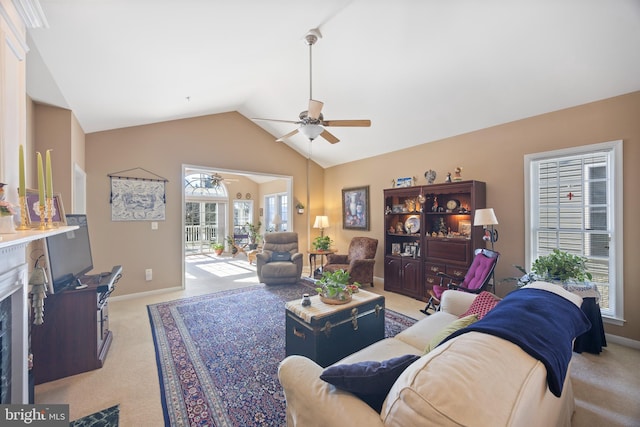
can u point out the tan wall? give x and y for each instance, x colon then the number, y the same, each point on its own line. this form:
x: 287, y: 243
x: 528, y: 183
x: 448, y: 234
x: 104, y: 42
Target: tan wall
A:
x: 227, y: 141
x: 496, y: 156
x: 54, y: 130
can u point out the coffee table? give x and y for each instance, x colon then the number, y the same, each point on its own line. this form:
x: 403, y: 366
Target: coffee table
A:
x: 326, y: 333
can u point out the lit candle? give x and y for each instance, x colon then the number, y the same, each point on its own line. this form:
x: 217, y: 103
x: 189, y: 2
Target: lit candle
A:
x: 40, y: 179
x: 22, y: 190
x: 49, y: 186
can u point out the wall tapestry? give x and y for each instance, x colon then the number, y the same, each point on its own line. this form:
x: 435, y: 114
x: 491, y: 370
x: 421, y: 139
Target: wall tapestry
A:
x: 137, y: 199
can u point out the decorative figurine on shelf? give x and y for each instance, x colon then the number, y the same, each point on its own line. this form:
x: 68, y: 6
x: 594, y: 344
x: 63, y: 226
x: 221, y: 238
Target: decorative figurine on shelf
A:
x: 430, y: 175
x: 400, y: 228
x: 448, y: 178
x: 457, y: 174
x: 434, y: 208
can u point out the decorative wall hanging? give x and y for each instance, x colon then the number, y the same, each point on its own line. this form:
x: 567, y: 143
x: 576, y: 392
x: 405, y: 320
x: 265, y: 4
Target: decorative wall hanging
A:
x: 137, y: 198
x: 355, y: 208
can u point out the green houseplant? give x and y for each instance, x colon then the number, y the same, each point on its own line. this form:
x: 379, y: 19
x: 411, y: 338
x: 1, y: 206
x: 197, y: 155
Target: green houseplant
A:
x: 558, y: 266
x: 217, y: 247
x: 231, y: 241
x: 335, y: 288
x: 322, y: 243
x: 254, y: 234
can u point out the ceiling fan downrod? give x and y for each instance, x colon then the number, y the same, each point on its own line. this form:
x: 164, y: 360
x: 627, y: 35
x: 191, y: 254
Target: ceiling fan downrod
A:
x: 311, y: 38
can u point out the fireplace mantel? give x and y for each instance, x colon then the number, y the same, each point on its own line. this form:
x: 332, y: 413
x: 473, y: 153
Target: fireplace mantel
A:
x: 14, y: 284
x: 24, y: 237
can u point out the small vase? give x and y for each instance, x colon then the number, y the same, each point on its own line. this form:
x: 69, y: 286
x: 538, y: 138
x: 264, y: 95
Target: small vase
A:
x: 6, y: 225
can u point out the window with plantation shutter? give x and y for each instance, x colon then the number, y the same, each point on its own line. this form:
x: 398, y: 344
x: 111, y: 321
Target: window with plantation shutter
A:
x: 574, y: 203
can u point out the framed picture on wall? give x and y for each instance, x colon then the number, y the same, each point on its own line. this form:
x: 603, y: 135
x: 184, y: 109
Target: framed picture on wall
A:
x: 355, y: 208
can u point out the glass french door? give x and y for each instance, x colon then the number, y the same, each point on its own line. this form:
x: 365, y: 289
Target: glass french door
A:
x: 204, y: 224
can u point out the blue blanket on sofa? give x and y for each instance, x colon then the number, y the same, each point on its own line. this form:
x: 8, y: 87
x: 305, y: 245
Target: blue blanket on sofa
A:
x: 542, y: 323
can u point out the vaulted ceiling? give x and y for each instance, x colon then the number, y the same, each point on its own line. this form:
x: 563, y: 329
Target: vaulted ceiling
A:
x: 420, y: 70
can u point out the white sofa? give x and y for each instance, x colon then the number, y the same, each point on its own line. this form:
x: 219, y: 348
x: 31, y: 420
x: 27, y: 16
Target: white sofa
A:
x: 474, y: 379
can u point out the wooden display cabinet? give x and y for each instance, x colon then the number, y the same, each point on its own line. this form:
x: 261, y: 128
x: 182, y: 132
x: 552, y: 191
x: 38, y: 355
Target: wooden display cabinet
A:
x: 402, y: 245
x: 429, y: 229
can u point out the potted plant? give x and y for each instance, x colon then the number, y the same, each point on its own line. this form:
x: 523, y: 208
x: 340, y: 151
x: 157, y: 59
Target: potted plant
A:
x: 322, y: 243
x: 254, y: 234
x: 300, y: 208
x: 218, y: 248
x: 232, y: 243
x: 558, y: 266
x: 335, y: 288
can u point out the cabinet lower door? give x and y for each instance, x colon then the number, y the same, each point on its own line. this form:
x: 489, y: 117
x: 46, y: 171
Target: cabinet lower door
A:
x: 411, y: 278
x: 393, y: 274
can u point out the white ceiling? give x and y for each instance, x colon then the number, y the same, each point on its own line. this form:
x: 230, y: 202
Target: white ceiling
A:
x: 420, y: 70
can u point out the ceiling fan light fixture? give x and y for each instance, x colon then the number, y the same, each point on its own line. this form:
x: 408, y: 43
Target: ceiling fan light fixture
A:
x: 311, y: 131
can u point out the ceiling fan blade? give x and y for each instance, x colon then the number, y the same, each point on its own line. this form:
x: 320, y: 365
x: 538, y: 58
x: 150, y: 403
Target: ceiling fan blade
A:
x: 315, y: 107
x: 329, y: 137
x: 290, y: 134
x: 353, y: 123
x: 279, y: 121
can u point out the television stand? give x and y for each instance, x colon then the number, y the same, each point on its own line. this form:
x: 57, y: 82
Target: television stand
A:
x: 75, y: 335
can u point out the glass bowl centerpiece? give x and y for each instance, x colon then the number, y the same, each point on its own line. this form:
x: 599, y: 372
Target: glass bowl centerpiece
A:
x: 335, y: 287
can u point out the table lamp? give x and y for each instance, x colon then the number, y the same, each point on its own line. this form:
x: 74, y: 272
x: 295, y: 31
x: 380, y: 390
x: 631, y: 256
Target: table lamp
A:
x: 321, y: 222
x: 277, y: 221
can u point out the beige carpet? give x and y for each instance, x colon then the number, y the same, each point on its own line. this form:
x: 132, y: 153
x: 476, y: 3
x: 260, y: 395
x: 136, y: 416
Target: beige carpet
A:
x: 606, y: 386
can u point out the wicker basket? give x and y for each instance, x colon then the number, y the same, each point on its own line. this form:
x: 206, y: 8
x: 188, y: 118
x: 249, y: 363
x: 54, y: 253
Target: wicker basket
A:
x: 334, y: 301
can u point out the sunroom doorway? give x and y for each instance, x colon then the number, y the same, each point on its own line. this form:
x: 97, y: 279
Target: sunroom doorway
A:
x: 217, y: 205
x: 205, y: 212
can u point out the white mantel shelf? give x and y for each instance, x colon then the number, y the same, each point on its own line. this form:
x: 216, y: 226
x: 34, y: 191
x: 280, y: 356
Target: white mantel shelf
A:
x: 24, y: 237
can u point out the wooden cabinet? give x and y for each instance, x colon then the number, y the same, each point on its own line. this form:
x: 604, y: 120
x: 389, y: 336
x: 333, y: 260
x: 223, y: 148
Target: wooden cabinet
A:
x: 431, y: 225
x: 403, y: 275
x: 75, y: 335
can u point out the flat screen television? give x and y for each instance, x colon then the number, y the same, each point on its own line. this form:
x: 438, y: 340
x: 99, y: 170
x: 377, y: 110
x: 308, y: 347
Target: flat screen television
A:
x: 68, y: 254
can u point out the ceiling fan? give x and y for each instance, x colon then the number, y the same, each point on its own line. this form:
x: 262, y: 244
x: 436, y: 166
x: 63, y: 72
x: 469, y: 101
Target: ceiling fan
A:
x: 311, y: 121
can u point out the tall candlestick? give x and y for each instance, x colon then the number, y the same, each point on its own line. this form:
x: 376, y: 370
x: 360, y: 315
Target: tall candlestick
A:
x: 22, y: 189
x: 40, y: 179
x: 49, y: 186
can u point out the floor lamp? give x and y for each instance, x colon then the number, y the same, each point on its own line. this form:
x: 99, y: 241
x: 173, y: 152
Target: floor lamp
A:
x: 487, y: 218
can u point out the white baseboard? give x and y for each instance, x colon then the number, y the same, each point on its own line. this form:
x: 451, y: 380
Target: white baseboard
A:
x: 144, y: 294
x: 627, y: 342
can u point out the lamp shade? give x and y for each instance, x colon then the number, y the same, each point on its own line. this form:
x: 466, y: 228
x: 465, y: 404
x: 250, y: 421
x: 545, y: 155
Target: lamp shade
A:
x: 277, y: 219
x: 322, y: 221
x: 485, y: 217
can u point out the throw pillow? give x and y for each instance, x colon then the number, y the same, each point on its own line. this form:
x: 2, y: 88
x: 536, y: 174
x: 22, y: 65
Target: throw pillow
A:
x: 280, y: 256
x: 462, y: 322
x: 483, y: 304
x: 370, y: 381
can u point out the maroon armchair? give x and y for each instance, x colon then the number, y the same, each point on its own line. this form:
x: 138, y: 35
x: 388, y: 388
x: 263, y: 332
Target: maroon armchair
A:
x: 358, y: 261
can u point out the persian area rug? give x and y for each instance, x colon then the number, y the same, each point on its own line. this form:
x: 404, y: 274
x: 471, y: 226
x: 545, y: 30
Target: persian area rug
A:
x: 218, y: 355
x: 109, y: 417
